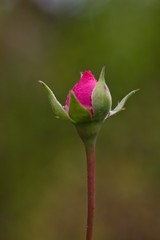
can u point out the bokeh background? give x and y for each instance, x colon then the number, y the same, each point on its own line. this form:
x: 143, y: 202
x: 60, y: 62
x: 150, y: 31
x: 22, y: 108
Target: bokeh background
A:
x: 42, y: 160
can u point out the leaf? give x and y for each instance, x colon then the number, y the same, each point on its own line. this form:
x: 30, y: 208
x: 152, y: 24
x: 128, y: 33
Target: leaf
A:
x: 57, y: 108
x: 77, y: 112
x: 101, y: 98
x: 120, y: 105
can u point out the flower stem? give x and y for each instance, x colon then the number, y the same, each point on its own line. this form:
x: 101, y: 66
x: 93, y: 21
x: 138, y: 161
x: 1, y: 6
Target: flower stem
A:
x: 88, y: 132
x: 91, y: 182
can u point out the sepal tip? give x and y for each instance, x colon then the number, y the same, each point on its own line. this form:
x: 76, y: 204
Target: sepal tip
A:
x: 120, y: 106
x: 57, y: 108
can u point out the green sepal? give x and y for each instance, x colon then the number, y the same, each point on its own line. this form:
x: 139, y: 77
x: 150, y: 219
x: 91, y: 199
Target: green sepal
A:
x: 102, y: 75
x: 57, y: 108
x: 121, y: 104
x: 77, y: 112
x: 101, y: 98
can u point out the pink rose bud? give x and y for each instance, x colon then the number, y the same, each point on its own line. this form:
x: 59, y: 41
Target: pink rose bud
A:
x: 83, y: 91
x: 89, y: 99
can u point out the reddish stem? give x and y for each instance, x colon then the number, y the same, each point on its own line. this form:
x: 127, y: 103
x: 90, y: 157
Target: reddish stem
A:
x: 91, y: 182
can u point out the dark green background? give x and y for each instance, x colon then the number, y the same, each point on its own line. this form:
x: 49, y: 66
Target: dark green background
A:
x: 42, y: 160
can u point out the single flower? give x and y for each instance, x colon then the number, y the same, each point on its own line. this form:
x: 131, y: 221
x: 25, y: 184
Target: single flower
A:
x: 87, y: 106
x: 88, y: 101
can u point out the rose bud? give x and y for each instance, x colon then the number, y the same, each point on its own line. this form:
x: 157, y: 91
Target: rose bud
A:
x: 88, y: 101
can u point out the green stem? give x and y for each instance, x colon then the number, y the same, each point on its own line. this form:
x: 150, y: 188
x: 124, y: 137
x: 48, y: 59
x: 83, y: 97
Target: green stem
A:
x: 91, y: 182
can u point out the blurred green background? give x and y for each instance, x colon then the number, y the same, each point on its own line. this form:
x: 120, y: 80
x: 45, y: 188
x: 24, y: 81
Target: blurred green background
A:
x: 42, y: 160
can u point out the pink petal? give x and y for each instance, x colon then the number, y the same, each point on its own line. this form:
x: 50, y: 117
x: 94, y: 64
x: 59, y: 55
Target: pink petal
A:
x: 83, y: 91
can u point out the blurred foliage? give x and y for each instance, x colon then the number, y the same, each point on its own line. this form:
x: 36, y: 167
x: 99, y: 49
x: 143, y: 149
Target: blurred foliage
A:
x: 43, y: 171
